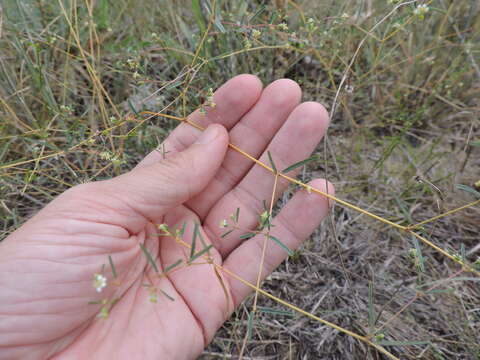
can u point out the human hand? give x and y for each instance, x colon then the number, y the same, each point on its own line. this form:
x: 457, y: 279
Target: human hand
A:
x: 47, y: 265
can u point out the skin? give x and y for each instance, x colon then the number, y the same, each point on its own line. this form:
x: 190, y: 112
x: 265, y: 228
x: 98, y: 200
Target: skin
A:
x: 47, y: 265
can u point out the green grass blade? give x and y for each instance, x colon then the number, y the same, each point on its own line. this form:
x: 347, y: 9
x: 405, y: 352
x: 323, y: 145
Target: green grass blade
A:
x: 468, y: 189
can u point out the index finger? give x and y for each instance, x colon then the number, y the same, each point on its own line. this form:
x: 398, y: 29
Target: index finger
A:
x: 233, y: 99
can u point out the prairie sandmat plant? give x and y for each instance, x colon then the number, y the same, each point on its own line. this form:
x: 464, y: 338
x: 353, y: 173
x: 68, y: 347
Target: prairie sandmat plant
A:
x: 87, y: 88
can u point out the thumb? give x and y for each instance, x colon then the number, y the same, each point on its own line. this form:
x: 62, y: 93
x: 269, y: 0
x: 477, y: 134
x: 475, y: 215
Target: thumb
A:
x: 154, y: 189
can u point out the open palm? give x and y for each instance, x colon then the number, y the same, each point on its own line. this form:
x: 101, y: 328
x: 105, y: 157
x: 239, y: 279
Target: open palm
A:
x: 47, y: 265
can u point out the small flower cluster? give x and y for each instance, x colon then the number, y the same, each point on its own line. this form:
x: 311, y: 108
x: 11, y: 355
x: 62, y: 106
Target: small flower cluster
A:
x: 99, y: 282
x: 420, y: 11
x: 208, y: 103
x: 115, y: 159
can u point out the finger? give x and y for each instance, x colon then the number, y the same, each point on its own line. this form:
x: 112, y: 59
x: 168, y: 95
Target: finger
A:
x: 146, y: 193
x: 252, y: 134
x: 294, y: 142
x: 233, y: 99
x: 295, y: 222
x: 209, y: 298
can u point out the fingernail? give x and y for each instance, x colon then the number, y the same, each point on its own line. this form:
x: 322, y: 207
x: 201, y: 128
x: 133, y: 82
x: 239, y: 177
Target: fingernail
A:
x: 208, y: 135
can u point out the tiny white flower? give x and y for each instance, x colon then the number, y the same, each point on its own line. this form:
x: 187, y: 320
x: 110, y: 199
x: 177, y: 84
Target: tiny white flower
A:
x: 99, y: 282
x: 224, y: 223
x: 256, y: 34
x: 421, y: 10
x: 153, y: 297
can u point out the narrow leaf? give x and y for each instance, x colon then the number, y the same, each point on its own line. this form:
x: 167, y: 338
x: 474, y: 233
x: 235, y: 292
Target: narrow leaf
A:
x: 226, y: 233
x: 200, y: 253
x: 169, y: 297
x: 468, y: 189
x: 194, y: 240
x: 475, y: 143
x: 301, y: 163
x: 274, y: 168
x: 149, y: 257
x: 282, y: 245
x: 237, y: 215
x: 182, y: 230
x: 247, y: 236
x: 112, y: 265
x: 172, y: 266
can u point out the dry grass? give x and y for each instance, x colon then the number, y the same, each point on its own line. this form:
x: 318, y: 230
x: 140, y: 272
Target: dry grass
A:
x: 72, y: 79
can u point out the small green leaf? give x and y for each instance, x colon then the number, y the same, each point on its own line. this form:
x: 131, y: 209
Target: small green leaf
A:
x: 172, y: 266
x: 475, y: 143
x: 226, y: 233
x: 237, y: 215
x: 194, y: 240
x: 149, y: 257
x: 200, y: 253
x: 182, y: 230
x: 274, y: 168
x: 281, y: 244
x: 247, y: 236
x: 468, y: 189
x: 169, y: 297
x: 301, y: 163
x: 112, y: 265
